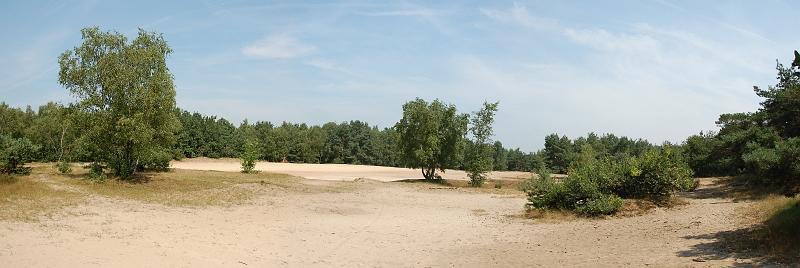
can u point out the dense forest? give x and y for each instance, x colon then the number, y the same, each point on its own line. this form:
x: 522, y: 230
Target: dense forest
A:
x: 55, y: 131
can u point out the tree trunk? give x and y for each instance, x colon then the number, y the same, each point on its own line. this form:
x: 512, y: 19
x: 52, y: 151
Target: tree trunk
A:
x: 429, y: 173
x: 61, y: 144
x: 126, y: 164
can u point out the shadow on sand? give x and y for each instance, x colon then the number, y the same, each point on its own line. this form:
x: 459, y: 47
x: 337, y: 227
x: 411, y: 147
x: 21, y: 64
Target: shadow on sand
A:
x: 736, y: 244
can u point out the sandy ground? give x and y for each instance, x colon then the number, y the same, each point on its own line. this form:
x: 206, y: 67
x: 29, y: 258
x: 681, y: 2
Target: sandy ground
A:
x: 340, y: 172
x: 373, y: 224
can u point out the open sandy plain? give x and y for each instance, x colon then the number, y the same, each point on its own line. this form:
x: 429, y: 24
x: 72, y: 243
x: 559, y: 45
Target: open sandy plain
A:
x: 336, y: 221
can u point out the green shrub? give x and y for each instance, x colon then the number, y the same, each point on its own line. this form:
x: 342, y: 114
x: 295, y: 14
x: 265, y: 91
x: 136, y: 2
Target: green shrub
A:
x: 596, y: 186
x: 602, y: 205
x: 156, y: 160
x: 64, y: 167
x: 606, y: 173
x: 789, y: 152
x: 249, y: 157
x: 579, y: 190
x: 546, y: 193
x: 655, y: 175
x: 14, y: 153
x: 97, y: 172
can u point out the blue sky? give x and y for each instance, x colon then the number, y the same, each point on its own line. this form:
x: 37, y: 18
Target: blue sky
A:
x: 659, y: 70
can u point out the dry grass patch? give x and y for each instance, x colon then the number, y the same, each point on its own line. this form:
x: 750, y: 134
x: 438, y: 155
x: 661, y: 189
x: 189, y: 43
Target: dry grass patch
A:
x: 46, y: 190
x: 189, y: 187
x: 777, y: 230
x: 550, y: 215
x: 500, y: 187
x: 637, y: 207
x: 25, y: 198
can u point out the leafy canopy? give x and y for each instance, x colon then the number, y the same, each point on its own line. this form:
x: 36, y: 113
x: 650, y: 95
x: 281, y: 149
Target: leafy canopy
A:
x: 126, y: 94
x: 480, y: 156
x: 431, y: 136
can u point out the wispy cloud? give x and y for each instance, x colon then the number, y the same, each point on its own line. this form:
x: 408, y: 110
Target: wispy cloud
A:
x: 634, y: 74
x: 417, y: 12
x: 605, y: 40
x: 428, y: 15
x: 329, y: 65
x: 519, y: 14
x: 742, y: 31
x: 279, y: 46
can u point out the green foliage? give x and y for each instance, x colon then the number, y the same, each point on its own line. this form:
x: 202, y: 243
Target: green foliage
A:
x: 14, y: 120
x: 480, y: 154
x: 699, y: 151
x: 778, y: 165
x: 596, y: 186
x: 431, y: 136
x: 155, y: 160
x: 545, y: 193
x: 761, y: 146
x: 249, y: 157
x: 601, y: 205
x: 606, y: 173
x: 64, y: 167
x: 127, y: 94
x: 561, y: 152
x: 656, y: 175
x: 207, y: 136
x: 521, y: 161
x: 14, y: 153
x: 781, y: 101
x: 577, y: 194
x: 97, y: 172
x: 353, y: 142
x: 500, y: 156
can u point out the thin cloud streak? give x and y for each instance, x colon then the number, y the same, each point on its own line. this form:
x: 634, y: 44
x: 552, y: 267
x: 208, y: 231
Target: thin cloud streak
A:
x: 278, y: 47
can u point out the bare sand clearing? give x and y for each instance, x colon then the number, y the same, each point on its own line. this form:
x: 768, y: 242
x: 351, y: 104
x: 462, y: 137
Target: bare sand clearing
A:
x: 339, y: 172
x: 370, y: 224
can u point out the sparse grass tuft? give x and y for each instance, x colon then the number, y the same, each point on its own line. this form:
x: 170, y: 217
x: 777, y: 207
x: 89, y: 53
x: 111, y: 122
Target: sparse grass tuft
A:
x: 24, y: 198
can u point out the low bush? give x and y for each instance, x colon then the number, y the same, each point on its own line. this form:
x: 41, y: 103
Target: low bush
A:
x: 64, y: 167
x: 601, y: 205
x: 655, y: 175
x: 545, y: 193
x: 596, y: 186
x: 97, y: 172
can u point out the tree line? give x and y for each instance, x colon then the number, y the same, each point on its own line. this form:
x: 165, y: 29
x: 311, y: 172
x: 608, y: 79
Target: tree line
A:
x: 55, y: 130
x: 763, y: 146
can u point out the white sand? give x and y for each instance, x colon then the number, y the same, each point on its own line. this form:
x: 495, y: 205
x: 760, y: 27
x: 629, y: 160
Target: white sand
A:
x: 338, y: 172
